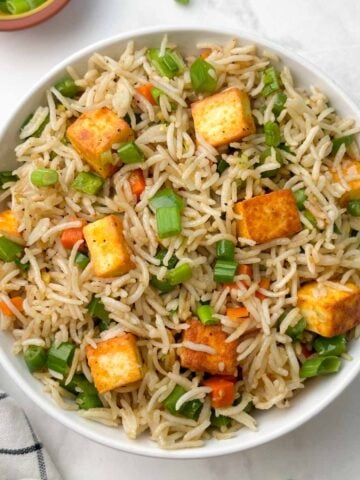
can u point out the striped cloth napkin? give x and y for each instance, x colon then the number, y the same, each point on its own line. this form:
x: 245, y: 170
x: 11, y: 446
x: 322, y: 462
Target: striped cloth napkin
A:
x: 22, y: 456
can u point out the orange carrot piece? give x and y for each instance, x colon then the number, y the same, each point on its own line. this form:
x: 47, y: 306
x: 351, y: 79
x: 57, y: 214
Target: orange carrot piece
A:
x: 222, y: 391
x: 16, y: 301
x: 205, y: 52
x: 145, y: 91
x: 137, y: 182
x: 229, y: 378
x: 234, y: 286
x: 264, y: 283
x: 72, y: 235
x: 234, y: 313
x: 245, y: 270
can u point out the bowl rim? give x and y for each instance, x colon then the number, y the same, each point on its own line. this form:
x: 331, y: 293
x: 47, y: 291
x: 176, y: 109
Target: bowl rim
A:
x: 28, y: 13
x: 32, y: 17
x: 132, y: 446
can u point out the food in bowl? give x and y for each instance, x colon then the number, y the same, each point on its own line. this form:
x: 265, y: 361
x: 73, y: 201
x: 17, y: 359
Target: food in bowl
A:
x: 180, y: 244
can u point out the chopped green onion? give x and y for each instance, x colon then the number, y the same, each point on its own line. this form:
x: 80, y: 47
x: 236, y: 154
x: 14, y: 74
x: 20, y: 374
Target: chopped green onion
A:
x: 166, y: 198
x: 156, y: 92
x: 310, y: 217
x: 225, y: 249
x: 219, y: 421
x: 337, y: 142
x: 44, y: 177
x: 330, y: 346
x: 205, y: 314
x: 278, y: 157
x: 163, y: 285
x: 300, y: 198
x: 189, y: 409
x: 315, y: 366
x: 172, y: 262
x: 80, y: 384
x: 222, y: 165
x: 180, y: 274
x: 279, y: 103
x: 35, y: 358
x: 183, y: 2
x: 97, y: 309
x: 272, y: 81
x: 272, y: 134
x: 88, y: 183
x: 15, y: 7
x: 67, y: 87
x: 9, y: 250
x: 203, y: 77
x: 168, y: 221
x: 24, y: 267
x: 297, y: 330
x: 60, y: 357
x: 6, y: 177
x: 130, y: 153
x: 353, y: 208
x: 87, y: 401
x: 224, y: 271
x: 285, y: 148
x: 336, y: 229
x: 81, y: 260
x: 168, y: 65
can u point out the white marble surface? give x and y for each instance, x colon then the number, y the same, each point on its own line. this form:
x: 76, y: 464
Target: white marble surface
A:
x: 326, y: 32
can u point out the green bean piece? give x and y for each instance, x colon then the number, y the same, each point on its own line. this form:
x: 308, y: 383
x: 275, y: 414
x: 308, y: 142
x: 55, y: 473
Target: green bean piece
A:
x: 278, y: 157
x: 96, y: 308
x: 203, y: 77
x: 89, y: 183
x: 81, y: 260
x: 172, y: 262
x: 219, y: 421
x: 169, y: 64
x: 60, y: 357
x: 205, y: 314
x: 168, y: 221
x: 279, y: 104
x: 311, y: 218
x: 7, y: 177
x: 297, y: 330
x: 24, y: 267
x: 180, y: 274
x: 225, y: 249
x: 312, y: 367
x: 67, y: 87
x: 337, y: 142
x: 44, y: 177
x: 163, y: 285
x: 80, y: 384
x: 87, y: 401
x: 272, y: 134
x: 272, y: 81
x: 300, y: 198
x: 166, y: 198
x: 189, y: 409
x: 35, y: 358
x: 330, y: 346
x: 222, y: 165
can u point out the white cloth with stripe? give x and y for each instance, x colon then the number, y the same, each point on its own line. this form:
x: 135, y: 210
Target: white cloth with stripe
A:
x: 22, y: 456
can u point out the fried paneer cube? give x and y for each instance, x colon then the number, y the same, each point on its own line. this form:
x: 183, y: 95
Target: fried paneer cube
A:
x: 110, y: 254
x: 223, y: 361
x: 270, y: 216
x: 94, y: 133
x: 9, y: 227
x: 350, y: 169
x: 115, y: 362
x: 224, y: 117
x: 329, y: 311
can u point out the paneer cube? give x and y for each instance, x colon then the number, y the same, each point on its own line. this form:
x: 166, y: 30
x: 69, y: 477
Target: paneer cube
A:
x: 9, y: 227
x: 351, y: 172
x: 270, y: 216
x: 110, y: 255
x: 329, y: 311
x: 115, y: 362
x: 224, y: 117
x: 94, y: 133
x: 222, y: 361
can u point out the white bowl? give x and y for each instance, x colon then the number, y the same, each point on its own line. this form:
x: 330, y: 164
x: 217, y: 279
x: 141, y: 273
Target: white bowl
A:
x: 272, y: 424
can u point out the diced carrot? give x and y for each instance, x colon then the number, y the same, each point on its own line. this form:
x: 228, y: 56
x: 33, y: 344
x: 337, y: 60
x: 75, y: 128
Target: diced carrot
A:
x: 264, y: 283
x: 16, y: 301
x: 145, y: 91
x: 234, y: 313
x: 72, y: 235
x: 205, y: 52
x: 229, y: 378
x: 245, y: 270
x: 234, y: 286
x: 137, y: 182
x: 222, y: 391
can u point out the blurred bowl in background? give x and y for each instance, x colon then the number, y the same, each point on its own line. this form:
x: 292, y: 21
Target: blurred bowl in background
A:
x: 32, y: 17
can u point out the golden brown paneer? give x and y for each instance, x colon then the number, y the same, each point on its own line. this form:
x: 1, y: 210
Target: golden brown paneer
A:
x: 223, y: 361
x: 329, y: 311
x: 110, y: 254
x: 94, y: 133
x: 351, y: 172
x: 270, y: 216
x: 115, y: 362
x: 9, y: 227
x: 224, y: 117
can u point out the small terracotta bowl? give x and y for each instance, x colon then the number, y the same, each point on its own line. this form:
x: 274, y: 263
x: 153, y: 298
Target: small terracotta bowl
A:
x: 32, y: 17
